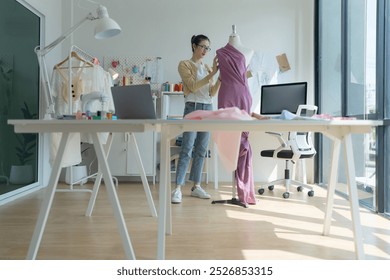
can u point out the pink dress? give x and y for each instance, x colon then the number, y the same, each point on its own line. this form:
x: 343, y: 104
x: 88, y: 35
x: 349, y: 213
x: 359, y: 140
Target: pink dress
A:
x: 234, y: 92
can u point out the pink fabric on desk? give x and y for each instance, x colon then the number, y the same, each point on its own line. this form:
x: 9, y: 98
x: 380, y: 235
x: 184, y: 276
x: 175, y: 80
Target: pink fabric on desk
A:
x: 228, y: 142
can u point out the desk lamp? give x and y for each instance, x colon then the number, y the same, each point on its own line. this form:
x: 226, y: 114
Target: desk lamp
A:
x: 105, y: 28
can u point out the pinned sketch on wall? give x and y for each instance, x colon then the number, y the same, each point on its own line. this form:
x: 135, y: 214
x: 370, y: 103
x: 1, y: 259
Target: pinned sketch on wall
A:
x: 282, y: 60
x: 264, y: 69
x: 136, y: 70
x: 267, y: 70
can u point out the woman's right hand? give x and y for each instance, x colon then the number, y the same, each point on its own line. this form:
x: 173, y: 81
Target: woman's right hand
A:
x: 259, y: 117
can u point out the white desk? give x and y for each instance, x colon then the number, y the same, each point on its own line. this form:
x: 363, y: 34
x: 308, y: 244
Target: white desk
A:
x: 339, y: 131
x: 66, y: 127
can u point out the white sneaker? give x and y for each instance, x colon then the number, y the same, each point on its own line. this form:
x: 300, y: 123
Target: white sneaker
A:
x: 199, y: 192
x: 176, y: 196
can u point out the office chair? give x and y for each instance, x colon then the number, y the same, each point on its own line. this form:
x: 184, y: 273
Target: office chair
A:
x: 298, y: 146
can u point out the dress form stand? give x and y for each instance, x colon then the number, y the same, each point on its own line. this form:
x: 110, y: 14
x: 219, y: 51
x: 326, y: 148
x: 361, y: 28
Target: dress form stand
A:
x: 233, y: 200
x: 235, y: 48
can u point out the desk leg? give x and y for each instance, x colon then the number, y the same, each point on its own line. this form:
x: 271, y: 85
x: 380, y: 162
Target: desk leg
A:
x: 95, y: 190
x: 215, y: 164
x: 352, y: 190
x: 163, y: 194
x: 48, y: 199
x: 98, y: 179
x: 143, y: 175
x: 103, y: 165
x: 353, y: 197
x: 334, y: 166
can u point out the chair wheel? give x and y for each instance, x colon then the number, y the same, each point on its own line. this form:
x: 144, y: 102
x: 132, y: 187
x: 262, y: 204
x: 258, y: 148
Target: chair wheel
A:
x: 299, y: 189
x: 260, y: 191
x: 310, y: 193
x: 286, y: 195
x: 271, y: 188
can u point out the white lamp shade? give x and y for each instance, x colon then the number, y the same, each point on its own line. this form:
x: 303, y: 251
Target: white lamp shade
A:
x: 105, y: 26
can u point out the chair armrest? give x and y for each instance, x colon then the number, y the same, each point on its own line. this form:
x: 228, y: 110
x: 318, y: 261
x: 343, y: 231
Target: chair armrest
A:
x: 282, y: 142
x: 296, y: 152
x: 279, y: 136
x: 274, y: 133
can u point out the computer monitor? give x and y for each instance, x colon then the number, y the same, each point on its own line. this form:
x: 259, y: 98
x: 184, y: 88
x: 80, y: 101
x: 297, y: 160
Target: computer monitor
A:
x: 278, y: 97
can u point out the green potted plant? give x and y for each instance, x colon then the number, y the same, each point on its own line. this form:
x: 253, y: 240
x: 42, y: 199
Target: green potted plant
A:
x: 25, y: 151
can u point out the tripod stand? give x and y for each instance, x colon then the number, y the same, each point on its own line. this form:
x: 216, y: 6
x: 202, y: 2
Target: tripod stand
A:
x: 233, y: 200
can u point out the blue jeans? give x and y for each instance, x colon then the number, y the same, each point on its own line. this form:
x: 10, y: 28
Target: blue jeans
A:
x: 194, y: 145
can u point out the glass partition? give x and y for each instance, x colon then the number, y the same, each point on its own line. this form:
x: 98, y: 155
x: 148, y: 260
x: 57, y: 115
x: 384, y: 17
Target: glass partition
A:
x: 19, y: 97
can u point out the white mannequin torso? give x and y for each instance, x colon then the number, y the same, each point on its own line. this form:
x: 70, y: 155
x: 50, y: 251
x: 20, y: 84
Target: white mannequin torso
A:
x: 234, y: 40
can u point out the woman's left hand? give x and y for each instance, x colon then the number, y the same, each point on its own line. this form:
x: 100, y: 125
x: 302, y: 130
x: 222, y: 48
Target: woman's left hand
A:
x: 215, y: 65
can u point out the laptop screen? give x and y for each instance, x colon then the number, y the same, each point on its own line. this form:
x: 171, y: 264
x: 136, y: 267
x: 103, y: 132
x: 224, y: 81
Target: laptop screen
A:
x: 134, y: 102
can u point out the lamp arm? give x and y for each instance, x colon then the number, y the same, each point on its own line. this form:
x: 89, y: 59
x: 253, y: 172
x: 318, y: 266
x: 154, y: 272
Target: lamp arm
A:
x: 46, y: 89
x: 49, y: 47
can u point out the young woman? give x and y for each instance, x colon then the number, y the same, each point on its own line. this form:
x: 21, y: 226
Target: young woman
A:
x: 199, y: 88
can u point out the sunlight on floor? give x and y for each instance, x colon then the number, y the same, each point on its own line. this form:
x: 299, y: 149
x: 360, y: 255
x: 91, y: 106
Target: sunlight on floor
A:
x: 273, y: 254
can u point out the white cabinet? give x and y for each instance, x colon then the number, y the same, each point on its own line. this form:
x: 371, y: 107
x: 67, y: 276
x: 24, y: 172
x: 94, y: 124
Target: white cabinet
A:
x: 172, y: 104
x: 122, y: 156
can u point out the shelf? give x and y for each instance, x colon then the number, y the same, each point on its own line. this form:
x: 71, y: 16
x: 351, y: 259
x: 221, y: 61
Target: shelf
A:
x: 174, y: 117
x: 172, y: 93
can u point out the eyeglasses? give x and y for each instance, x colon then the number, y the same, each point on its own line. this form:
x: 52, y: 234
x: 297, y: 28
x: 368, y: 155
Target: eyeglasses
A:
x: 206, y: 48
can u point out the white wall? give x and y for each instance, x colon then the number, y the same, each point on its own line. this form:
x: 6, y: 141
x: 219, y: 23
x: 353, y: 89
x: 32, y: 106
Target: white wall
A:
x: 164, y: 28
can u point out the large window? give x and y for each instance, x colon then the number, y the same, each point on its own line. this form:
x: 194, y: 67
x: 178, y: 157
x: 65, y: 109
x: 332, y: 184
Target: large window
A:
x: 347, y: 44
x: 383, y: 138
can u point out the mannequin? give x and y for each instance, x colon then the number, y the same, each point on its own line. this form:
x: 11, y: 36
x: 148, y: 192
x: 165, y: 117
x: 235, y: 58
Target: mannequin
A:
x: 233, y: 61
x: 235, y: 41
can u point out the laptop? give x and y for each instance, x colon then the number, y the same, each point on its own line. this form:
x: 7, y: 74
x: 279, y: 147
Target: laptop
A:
x: 133, y: 102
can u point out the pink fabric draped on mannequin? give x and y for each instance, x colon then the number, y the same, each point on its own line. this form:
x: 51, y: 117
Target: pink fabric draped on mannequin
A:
x: 234, y: 92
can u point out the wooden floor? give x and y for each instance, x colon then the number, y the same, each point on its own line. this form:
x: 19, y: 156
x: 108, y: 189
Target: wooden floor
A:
x: 274, y: 229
